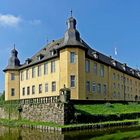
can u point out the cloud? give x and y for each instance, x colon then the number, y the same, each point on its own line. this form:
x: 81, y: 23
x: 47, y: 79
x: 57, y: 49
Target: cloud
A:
x: 9, y: 20
x: 35, y: 22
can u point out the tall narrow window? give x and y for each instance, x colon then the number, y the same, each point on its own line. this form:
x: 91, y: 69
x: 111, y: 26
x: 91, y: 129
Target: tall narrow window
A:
x: 12, y: 92
x: 33, y: 72
x: 12, y: 76
x: 45, y: 68
x: 52, y: 66
x: 87, y: 66
x: 22, y: 76
x: 95, y: 68
x: 93, y: 87
x: 23, y: 91
x: 72, y: 81
x: 28, y: 90
x: 88, y: 86
x: 53, y: 86
x: 114, y: 76
x: 39, y: 70
x: 72, y: 57
x: 102, y: 70
x: 33, y: 89
x: 27, y: 74
x: 99, y: 88
x: 46, y: 87
x: 40, y: 88
x: 105, y: 89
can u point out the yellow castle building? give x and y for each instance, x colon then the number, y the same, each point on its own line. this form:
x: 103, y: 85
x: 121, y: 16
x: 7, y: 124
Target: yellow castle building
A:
x: 69, y: 61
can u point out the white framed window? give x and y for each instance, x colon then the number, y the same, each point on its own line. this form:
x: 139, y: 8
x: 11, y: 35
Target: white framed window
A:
x: 53, y: 86
x: 33, y: 89
x: 22, y: 75
x: 114, y: 94
x: 88, y: 86
x: 39, y: 71
x: 99, y: 88
x: 40, y: 88
x: 105, y: 89
x: 114, y: 76
x: 95, y: 68
x: 12, y: 92
x: 94, y: 87
x: 12, y: 76
x: 118, y: 77
x: 27, y: 74
x: 72, y: 81
x: 52, y: 66
x: 45, y: 68
x: 23, y: 91
x: 102, y: 70
x: 72, y: 57
x: 87, y: 66
x: 46, y: 87
x: 33, y: 72
x: 28, y: 90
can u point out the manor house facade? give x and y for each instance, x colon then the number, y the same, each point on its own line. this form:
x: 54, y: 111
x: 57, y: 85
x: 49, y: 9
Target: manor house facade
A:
x: 70, y: 61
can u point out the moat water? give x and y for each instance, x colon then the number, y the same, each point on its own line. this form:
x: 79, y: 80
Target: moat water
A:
x: 9, y: 133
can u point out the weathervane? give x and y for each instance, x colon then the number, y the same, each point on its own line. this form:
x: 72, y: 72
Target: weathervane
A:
x: 71, y: 12
x: 14, y: 46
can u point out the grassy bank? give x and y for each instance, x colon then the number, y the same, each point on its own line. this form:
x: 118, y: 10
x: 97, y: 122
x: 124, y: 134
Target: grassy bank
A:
x: 107, y: 109
x: 19, y: 123
x: 120, y: 136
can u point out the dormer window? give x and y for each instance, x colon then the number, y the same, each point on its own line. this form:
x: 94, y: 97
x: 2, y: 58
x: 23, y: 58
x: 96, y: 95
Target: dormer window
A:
x: 40, y: 56
x: 52, y: 52
x: 132, y: 71
x: 95, y: 55
x: 124, y: 67
x: 113, y: 62
x: 138, y: 73
x: 27, y: 61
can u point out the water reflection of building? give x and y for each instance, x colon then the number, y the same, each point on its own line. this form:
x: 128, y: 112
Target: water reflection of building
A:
x: 69, y: 61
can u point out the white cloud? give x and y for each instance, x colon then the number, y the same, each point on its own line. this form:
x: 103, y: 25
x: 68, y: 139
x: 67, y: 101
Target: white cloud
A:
x: 35, y: 22
x: 9, y: 20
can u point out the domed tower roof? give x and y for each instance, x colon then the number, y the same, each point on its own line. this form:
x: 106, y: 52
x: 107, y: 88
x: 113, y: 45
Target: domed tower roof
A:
x: 13, y: 62
x: 72, y: 36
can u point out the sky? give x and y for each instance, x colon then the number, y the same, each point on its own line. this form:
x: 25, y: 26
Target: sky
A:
x: 106, y: 25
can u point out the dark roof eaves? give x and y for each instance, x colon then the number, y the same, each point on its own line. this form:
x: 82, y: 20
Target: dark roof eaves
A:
x: 115, y: 67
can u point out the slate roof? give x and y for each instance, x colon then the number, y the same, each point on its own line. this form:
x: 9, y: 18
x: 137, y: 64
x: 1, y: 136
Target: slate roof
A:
x: 72, y: 39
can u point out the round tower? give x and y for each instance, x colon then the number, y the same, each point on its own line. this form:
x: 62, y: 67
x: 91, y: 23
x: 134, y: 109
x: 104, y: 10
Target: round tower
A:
x: 12, y: 77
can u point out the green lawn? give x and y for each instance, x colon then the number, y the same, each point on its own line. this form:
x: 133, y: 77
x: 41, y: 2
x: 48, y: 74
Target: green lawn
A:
x: 108, y: 108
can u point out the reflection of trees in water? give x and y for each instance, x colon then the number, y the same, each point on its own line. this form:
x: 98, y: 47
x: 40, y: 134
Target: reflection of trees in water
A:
x: 7, y: 133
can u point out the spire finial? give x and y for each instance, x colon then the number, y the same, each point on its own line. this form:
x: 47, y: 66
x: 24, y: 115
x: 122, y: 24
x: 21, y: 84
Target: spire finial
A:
x: 14, y: 46
x: 71, y: 12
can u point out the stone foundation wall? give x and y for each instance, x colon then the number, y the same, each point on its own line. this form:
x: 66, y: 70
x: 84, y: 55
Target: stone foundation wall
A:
x: 48, y: 112
x: 8, y: 114
x: 57, y: 109
x: 60, y: 113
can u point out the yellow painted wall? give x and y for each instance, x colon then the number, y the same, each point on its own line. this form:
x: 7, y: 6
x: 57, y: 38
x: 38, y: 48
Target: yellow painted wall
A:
x: 117, y: 87
x: 48, y: 78
x: 11, y: 84
x: 77, y: 69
